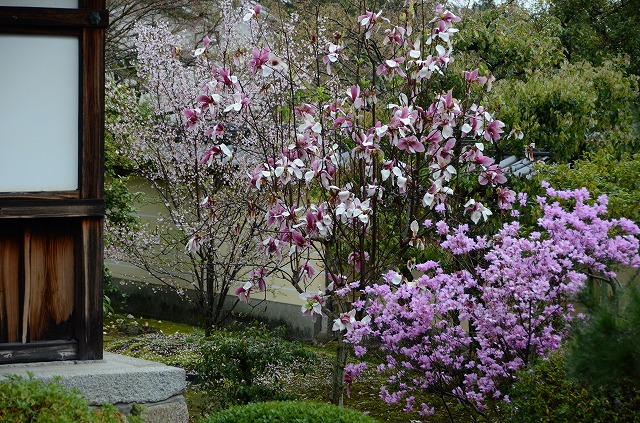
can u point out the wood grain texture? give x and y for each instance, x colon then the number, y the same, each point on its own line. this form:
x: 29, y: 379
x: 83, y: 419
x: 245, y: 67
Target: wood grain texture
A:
x: 51, y: 281
x: 14, y: 209
x: 42, y: 351
x: 9, y: 287
x: 90, y: 291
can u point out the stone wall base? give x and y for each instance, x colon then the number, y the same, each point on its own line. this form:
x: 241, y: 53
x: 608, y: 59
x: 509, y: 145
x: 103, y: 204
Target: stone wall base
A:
x: 119, y: 380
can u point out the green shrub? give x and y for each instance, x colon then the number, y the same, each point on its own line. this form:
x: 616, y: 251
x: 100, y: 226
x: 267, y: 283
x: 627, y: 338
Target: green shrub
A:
x: 31, y: 400
x: 545, y: 393
x: 605, y: 348
x: 246, y: 365
x: 289, y: 411
x: 569, y: 111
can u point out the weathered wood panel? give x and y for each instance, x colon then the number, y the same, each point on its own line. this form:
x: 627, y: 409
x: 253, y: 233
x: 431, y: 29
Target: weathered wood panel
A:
x: 92, y: 145
x: 61, y: 262
x: 41, y: 351
x: 51, y: 282
x: 9, y: 287
x: 89, y: 294
x: 37, y: 280
x: 45, y: 195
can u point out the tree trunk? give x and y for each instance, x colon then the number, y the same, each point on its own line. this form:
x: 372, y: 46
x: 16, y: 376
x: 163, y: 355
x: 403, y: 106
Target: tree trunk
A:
x: 337, y: 386
x: 209, y: 302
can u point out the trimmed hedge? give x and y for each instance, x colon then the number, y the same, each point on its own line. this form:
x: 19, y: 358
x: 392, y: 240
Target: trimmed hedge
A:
x: 31, y: 400
x: 289, y: 412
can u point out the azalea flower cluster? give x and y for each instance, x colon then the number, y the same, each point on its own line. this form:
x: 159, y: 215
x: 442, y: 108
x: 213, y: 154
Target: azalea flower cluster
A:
x: 465, y: 333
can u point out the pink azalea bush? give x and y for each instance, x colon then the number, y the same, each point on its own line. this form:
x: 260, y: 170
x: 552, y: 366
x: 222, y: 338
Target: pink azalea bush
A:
x: 465, y: 333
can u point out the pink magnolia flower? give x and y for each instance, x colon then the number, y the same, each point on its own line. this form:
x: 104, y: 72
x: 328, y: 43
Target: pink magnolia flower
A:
x: 192, y: 117
x: 336, y: 281
x: 206, y: 41
x: 493, y: 175
x: 305, y: 109
x: 271, y: 247
x: 332, y: 56
x: 226, y: 78
x: 298, y: 241
x: 472, y: 76
x: 345, y: 321
x: 368, y: 20
x: 493, y: 130
x: 215, y: 131
x: 258, y: 277
x: 395, y: 35
x: 244, y: 292
x: 213, y: 152
x: 354, y: 95
x: 443, y: 58
x: 208, y: 101
x: 193, y: 245
x: 253, y: 13
x: 240, y: 102
x: 410, y: 144
x: 506, y: 198
x: 273, y: 64
x: 446, y: 16
x: 444, y: 26
x: 366, y: 145
x: 391, y: 67
x: 307, y: 270
x: 313, y: 304
x: 477, y: 210
x: 259, y: 58
x: 356, y: 260
x: 448, y: 104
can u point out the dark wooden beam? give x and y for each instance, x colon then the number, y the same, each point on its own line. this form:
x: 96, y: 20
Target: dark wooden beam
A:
x: 92, y: 114
x: 38, y: 351
x: 15, y: 209
x: 53, y: 17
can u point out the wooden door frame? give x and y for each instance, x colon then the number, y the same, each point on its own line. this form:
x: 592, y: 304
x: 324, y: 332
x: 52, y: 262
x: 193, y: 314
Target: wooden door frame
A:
x: 84, y: 206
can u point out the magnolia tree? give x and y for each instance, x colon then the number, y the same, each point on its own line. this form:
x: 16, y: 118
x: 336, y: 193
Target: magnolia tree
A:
x: 205, y: 239
x: 367, y: 161
x: 350, y: 168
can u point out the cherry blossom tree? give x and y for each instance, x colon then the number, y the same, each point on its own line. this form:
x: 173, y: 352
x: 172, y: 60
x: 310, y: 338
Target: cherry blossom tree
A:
x: 206, y: 239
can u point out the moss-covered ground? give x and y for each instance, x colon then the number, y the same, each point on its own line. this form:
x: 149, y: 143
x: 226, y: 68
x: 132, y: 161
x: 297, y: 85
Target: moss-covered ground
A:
x: 178, y: 345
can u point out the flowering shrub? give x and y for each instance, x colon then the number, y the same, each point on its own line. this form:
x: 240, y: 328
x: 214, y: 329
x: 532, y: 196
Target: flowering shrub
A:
x: 359, y: 141
x: 465, y: 333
